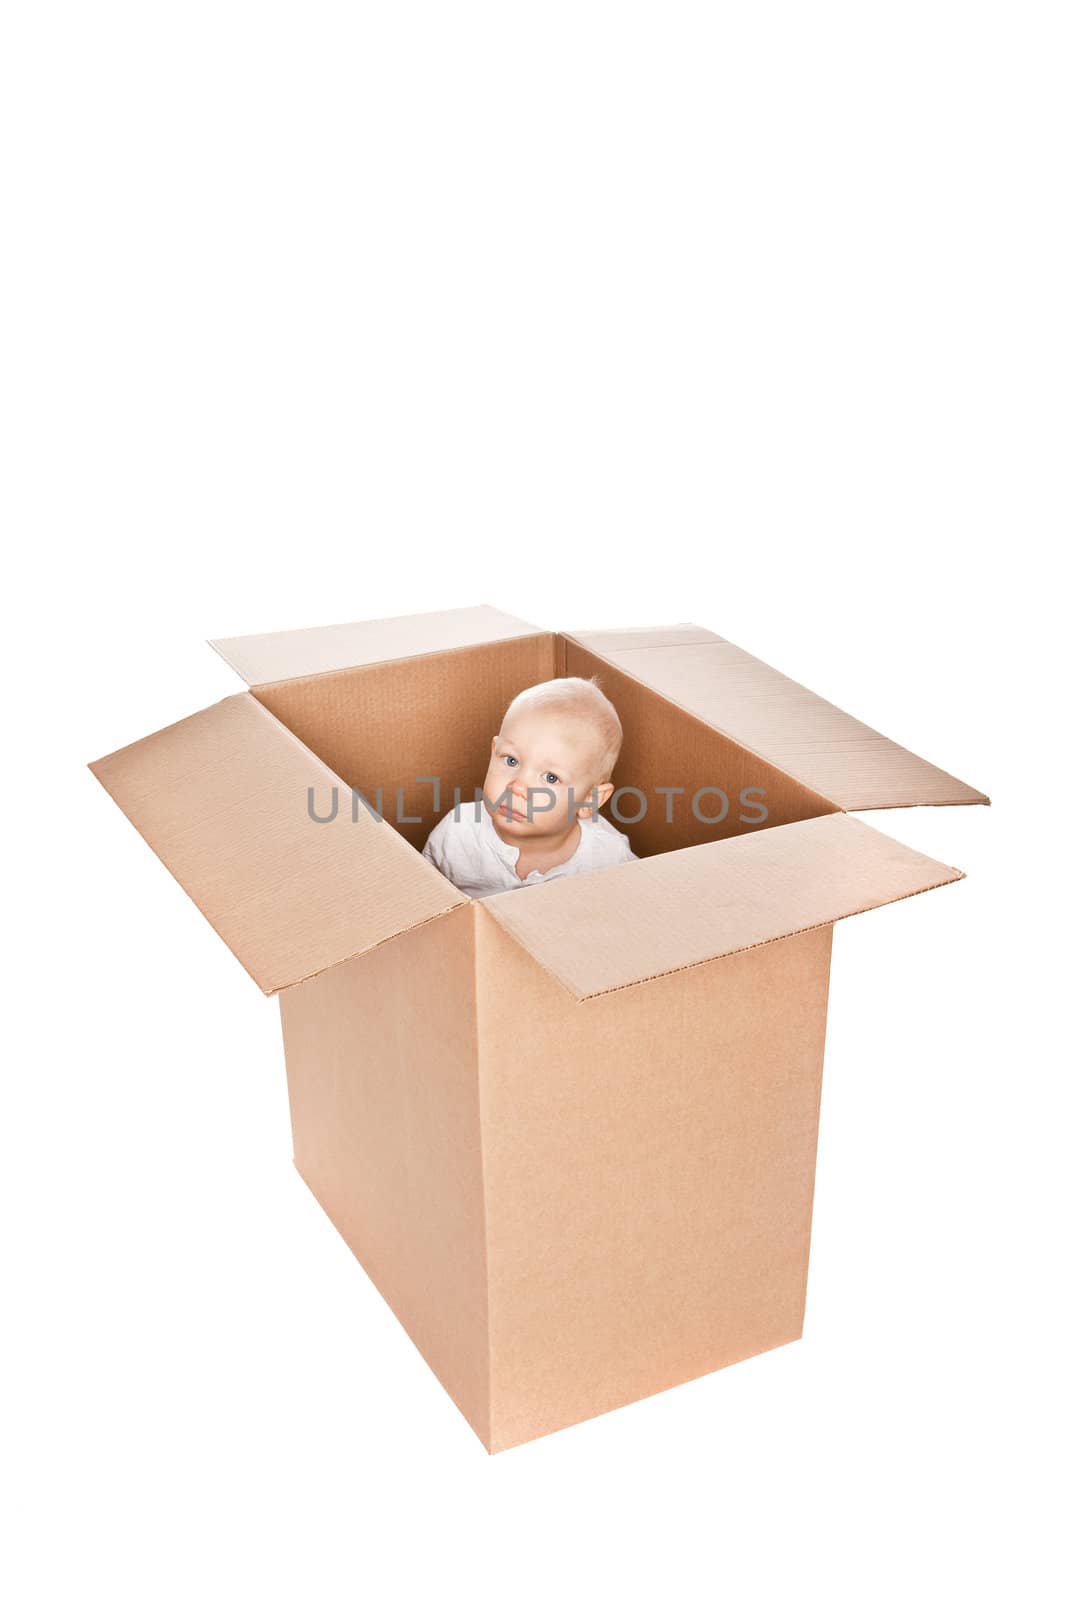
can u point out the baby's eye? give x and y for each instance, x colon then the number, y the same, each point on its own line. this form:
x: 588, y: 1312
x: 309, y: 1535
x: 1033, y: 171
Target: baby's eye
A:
x: 550, y: 777
x: 511, y: 761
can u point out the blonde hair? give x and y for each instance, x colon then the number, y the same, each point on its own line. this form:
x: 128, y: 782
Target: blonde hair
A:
x: 579, y: 698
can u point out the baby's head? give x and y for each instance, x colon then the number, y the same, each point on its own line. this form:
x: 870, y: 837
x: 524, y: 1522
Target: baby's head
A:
x: 560, y: 739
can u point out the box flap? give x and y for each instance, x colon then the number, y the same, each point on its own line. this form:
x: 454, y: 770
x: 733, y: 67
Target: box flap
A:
x: 800, y: 733
x: 261, y: 658
x: 222, y: 798
x: 623, y: 925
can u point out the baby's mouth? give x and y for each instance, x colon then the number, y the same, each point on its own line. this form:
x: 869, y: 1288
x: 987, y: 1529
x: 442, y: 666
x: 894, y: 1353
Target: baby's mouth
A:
x: 510, y: 810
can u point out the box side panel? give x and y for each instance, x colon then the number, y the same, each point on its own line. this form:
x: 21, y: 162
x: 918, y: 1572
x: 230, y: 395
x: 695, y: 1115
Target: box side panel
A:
x: 665, y: 746
x: 382, y: 1068
x: 649, y: 1171
x: 399, y: 725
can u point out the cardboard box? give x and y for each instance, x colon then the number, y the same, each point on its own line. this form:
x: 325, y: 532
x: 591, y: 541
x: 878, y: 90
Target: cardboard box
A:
x: 568, y: 1131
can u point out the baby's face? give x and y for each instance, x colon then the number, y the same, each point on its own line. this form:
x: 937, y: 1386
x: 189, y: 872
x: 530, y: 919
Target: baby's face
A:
x: 556, y: 755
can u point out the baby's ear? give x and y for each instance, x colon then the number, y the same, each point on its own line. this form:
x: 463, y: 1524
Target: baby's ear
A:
x: 603, y: 791
x: 492, y: 745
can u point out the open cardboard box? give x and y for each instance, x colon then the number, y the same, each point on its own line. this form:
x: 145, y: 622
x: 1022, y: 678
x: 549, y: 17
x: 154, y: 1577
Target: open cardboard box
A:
x: 569, y: 1131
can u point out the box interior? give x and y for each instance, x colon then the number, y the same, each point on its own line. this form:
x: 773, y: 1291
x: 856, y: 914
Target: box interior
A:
x: 394, y: 726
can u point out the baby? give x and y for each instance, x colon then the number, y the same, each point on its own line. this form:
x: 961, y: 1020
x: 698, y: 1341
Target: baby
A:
x: 548, y: 772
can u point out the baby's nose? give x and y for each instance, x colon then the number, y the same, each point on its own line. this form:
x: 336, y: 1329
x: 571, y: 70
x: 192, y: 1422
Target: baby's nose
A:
x: 518, y: 787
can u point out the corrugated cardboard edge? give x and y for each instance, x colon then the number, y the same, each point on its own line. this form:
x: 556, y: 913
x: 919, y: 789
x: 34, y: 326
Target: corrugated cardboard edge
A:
x: 478, y: 941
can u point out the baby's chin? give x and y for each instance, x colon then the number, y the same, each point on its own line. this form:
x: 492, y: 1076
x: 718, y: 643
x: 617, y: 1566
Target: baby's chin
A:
x: 513, y: 824
x: 518, y: 830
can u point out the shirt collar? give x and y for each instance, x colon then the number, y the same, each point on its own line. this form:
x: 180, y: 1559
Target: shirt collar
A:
x: 508, y: 853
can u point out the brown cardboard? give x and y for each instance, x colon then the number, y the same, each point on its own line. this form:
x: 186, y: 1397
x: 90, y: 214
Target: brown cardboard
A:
x: 667, y: 746
x: 711, y: 901
x: 219, y: 799
x: 303, y: 652
x: 649, y: 1167
x: 514, y: 1190
x: 766, y: 712
x: 385, y: 726
x: 569, y: 1132
x: 382, y: 1064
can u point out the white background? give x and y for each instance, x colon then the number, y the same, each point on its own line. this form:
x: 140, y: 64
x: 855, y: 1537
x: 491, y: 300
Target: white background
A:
x: 749, y: 316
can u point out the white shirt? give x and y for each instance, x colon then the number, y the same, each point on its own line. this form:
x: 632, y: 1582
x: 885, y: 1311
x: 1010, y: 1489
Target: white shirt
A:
x: 468, y: 850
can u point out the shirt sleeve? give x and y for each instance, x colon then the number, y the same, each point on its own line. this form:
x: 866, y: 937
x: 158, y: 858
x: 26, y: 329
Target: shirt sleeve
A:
x: 435, y: 847
x: 612, y: 846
